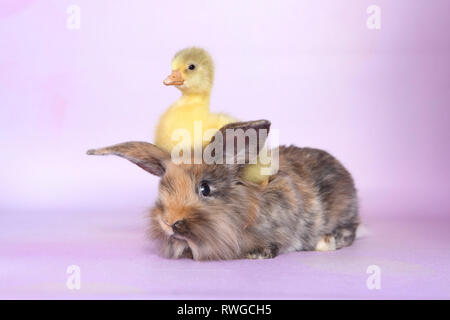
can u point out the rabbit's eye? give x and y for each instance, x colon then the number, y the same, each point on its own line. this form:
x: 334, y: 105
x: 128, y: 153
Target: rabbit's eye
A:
x: 205, y: 190
x: 191, y: 67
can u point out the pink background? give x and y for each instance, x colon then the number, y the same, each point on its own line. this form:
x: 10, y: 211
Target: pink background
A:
x: 376, y: 99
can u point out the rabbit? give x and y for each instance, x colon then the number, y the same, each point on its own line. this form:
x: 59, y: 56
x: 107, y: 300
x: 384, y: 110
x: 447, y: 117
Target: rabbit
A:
x: 208, y: 212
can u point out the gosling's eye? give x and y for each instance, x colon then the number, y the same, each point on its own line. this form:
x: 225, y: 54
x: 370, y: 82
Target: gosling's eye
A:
x: 205, y: 190
x: 191, y: 67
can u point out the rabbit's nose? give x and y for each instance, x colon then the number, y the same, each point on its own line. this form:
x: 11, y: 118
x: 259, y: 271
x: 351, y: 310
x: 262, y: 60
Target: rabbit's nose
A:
x: 178, y: 226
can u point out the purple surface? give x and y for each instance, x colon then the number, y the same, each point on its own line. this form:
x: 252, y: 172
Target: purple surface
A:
x: 378, y: 100
x: 117, y: 262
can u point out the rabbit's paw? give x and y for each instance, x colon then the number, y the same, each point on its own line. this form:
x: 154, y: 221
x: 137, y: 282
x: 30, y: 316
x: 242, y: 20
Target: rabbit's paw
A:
x: 263, y: 253
x: 327, y: 243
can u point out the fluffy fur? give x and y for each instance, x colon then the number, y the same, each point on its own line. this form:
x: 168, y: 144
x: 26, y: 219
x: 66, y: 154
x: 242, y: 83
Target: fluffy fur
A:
x: 309, y: 204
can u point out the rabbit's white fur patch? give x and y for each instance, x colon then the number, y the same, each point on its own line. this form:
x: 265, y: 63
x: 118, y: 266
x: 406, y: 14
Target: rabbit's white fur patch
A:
x: 327, y: 243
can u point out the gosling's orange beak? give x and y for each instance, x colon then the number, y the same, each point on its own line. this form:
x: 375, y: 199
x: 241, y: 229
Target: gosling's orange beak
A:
x: 174, y: 79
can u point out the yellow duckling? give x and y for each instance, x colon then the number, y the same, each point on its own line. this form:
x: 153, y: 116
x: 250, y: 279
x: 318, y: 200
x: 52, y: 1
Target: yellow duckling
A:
x: 193, y: 74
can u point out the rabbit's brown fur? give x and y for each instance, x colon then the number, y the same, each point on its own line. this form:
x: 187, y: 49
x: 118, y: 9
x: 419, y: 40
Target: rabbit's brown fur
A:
x: 311, y: 198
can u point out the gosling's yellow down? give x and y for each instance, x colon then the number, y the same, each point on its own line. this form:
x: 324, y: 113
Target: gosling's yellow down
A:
x: 193, y: 74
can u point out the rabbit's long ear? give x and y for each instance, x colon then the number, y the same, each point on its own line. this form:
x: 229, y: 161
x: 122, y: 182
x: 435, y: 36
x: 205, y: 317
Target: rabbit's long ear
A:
x: 246, y: 139
x: 146, y: 155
